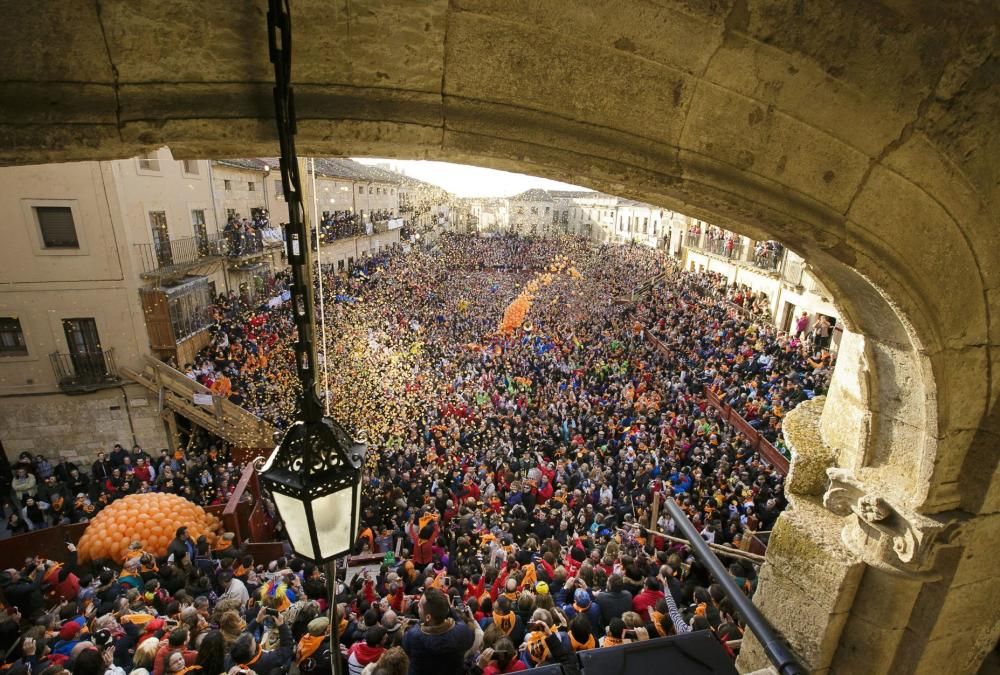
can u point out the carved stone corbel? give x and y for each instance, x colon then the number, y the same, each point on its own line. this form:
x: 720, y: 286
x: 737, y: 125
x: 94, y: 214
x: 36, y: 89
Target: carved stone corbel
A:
x: 883, y: 535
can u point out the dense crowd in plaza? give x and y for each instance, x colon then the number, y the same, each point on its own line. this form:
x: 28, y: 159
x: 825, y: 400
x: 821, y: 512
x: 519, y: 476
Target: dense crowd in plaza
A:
x: 512, y: 469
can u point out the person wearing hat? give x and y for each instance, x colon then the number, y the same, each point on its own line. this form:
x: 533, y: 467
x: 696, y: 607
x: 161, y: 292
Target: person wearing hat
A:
x: 583, y: 604
x: 68, y: 638
x: 312, y: 653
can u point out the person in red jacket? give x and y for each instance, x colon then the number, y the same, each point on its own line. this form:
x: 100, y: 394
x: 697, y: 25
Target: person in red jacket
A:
x: 648, y: 598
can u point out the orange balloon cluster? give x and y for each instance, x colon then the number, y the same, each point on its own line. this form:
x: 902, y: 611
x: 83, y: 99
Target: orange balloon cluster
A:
x: 515, y: 313
x: 151, y: 518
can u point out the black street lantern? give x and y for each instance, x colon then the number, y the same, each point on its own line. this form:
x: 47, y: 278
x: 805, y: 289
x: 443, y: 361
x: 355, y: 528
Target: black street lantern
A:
x: 314, y: 475
x: 315, y: 479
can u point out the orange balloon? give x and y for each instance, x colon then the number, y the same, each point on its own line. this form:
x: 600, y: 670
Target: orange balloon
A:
x: 151, y: 519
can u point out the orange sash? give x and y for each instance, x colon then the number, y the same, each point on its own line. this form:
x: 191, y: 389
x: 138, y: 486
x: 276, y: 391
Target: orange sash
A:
x: 505, y: 622
x: 308, y: 646
x: 534, y: 645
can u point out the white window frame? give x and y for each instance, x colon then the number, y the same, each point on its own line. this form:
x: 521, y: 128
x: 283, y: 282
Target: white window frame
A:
x: 142, y: 171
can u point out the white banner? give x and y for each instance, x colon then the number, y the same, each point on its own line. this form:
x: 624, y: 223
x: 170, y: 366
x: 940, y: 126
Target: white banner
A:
x: 395, y: 223
x: 203, y: 399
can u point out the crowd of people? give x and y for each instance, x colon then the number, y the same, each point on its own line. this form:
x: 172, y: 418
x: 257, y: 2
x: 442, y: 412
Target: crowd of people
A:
x: 510, y: 480
x: 41, y: 493
x: 246, y: 235
x: 717, y: 339
x: 336, y: 225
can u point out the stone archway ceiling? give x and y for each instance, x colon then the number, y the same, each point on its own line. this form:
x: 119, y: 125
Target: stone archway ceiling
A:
x: 861, y: 134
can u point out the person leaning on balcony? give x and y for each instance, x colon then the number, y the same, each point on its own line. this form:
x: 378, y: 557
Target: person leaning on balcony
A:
x: 23, y: 484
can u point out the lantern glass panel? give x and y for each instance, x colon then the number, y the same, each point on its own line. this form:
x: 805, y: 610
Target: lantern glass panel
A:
x: 293, y: 514
x: 332, y: 514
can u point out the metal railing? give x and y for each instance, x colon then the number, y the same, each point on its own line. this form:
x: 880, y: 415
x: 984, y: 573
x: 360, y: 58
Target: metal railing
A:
x: 792, y: 269
x: 769, y: 258
x: 239, y: 244
x: 719, y: 246
x: 178, y: 252
x: 774, y: 647
x: 84, y: 371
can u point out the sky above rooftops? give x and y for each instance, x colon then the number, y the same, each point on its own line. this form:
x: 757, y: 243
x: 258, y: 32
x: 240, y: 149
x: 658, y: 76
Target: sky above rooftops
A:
x: 468, y: 181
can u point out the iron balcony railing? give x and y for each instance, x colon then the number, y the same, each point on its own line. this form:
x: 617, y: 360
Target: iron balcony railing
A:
x: 85, y: 371
x: 179, y: 252
x: 720, y: 246
x: 768, y: 256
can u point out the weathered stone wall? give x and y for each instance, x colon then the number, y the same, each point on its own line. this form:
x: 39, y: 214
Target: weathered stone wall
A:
x: 862, y: 135
x: 78, y: 427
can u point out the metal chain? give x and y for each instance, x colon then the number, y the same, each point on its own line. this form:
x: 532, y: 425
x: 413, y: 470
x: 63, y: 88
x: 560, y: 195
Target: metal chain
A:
x: 279, y: 33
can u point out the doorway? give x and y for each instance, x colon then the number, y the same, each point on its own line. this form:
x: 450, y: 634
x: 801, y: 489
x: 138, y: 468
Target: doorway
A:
x: 84, y: 348
x: 161, y: 238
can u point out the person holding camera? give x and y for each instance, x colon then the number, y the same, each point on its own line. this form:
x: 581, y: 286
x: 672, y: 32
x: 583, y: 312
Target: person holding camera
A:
x: 248, y: 655
x: 438, y: 645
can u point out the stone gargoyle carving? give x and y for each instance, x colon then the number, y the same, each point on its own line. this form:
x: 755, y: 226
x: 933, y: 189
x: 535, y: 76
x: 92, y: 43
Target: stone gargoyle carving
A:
x: 883, y: 535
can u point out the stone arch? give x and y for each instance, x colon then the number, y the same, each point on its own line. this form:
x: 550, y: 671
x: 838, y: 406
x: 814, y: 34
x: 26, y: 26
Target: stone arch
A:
x: 858, y: 134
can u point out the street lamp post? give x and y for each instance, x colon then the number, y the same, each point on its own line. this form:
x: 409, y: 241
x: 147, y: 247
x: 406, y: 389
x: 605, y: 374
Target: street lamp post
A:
x: 314, y: 474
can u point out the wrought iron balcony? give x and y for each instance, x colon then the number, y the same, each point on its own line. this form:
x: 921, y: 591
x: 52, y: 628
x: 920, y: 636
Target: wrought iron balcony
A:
x: 180, y: 254
x: 717, y: 246
x: 82, y: 372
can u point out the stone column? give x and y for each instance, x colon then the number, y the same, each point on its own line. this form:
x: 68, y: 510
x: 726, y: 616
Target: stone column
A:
x: 858, y: 583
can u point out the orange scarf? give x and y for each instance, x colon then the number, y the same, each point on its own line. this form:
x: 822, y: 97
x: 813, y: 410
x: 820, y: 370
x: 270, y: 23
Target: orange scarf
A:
x: 611, y: 641
x: 505, y: 622
x: 530, y: 577
x: 253, y: 660
x: 308, y: 645
x: 581, y: 646
x: 534, y: 645
x: 342, y: 628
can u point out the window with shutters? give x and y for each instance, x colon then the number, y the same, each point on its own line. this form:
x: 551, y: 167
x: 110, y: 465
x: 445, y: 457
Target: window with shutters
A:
x: 11, y: 337
x: 227, y: 184
x: 190, y: 167
x: 279, y: 188
x: 57, y: 227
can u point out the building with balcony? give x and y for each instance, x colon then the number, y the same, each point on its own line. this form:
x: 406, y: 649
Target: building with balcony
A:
x: 763, y: 267
x: 80, y: 236
x: 106, y: 263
